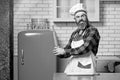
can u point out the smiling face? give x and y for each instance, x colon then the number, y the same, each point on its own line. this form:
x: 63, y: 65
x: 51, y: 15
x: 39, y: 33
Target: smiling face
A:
x: 81, y: 19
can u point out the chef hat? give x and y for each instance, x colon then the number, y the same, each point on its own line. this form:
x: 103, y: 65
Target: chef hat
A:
x: 76, y: 8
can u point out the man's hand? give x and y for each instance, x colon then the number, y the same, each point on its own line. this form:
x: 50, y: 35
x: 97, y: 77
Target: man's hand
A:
x: 58, y: 51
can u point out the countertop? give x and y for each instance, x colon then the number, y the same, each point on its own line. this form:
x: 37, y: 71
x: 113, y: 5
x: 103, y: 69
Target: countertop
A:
x: 100, y: 76
x: 115, y: 58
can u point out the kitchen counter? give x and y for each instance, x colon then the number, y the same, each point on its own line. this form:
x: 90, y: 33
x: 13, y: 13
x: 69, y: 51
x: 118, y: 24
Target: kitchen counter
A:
x: 115, y: 58
x: 101, y: 76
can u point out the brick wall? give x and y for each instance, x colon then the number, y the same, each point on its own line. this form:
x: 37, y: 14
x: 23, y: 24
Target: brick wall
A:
x: 108, y: 26
x: 110, y: 18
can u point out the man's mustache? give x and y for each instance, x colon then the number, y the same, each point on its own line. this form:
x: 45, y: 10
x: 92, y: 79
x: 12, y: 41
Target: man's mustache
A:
x: 81, y: 21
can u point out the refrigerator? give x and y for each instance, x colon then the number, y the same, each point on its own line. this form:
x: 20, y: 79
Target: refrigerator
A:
x: 36, y: 60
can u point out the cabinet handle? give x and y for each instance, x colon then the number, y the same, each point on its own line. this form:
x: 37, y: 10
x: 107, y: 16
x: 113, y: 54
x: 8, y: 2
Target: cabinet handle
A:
x: 22, y: 57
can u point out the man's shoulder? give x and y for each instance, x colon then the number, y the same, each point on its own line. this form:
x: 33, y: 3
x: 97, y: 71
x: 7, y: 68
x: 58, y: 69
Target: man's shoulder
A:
x: 91, y: 27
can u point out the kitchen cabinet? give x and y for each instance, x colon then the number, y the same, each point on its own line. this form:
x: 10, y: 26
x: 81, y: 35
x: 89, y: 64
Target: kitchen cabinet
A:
x: 103, y: 61
x: 36, y: 60
x: 61, y: 9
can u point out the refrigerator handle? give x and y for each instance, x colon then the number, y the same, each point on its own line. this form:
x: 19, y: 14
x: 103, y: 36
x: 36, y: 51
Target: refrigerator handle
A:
x: 22, y: 57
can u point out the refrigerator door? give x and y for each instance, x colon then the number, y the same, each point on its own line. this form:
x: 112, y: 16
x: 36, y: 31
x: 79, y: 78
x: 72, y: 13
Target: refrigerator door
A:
x: 36, y: 60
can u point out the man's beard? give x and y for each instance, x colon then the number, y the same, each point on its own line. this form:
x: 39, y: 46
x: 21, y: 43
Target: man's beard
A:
x: 81, y: 24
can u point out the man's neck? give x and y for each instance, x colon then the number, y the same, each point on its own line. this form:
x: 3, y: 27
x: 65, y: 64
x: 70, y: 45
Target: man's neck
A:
x: 81, y: 28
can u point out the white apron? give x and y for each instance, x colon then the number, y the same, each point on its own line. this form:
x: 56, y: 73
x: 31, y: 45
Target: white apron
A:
x: 73, y: 67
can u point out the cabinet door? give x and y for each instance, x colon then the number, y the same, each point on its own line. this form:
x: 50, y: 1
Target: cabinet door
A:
x: 36, y: 60
x: 101, y: 66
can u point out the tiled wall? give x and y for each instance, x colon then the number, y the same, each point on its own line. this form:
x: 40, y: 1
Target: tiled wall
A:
x: 108, y: 26
x: 110, y: 30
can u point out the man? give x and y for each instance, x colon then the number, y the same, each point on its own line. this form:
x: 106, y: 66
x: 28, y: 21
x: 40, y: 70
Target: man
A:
x: 82, y: 45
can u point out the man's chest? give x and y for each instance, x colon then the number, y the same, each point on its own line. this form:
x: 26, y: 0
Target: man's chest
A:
x: 79, y: 35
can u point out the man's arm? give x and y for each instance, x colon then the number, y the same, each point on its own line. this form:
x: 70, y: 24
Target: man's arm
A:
x: 90, y: 42
x: 66, y: 54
